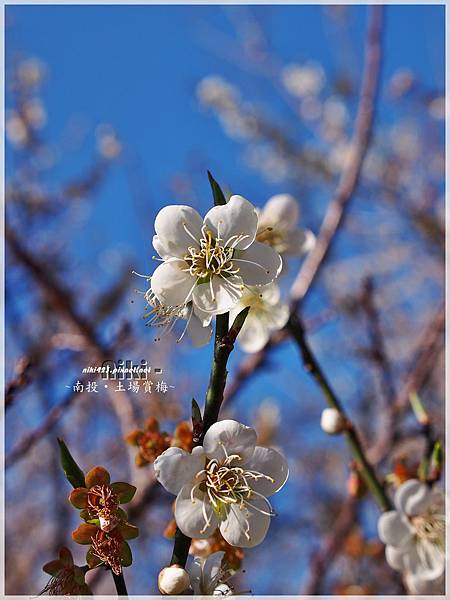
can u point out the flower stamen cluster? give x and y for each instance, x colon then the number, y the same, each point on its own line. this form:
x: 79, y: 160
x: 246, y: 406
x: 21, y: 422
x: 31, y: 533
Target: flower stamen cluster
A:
x: 107, y: 548
x: 212, y: 257
x: 103, y: 504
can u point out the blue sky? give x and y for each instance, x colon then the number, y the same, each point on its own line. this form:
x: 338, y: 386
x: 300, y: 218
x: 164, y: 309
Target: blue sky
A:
x: 136, y: 68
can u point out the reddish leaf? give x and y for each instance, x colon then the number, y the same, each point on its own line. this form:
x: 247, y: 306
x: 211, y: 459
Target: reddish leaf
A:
x: 97, y: 476
x: 84, y: 533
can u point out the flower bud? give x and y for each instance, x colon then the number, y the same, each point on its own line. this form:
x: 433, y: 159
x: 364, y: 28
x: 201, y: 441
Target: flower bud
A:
x: 173, y: 580
x: 332, y: 421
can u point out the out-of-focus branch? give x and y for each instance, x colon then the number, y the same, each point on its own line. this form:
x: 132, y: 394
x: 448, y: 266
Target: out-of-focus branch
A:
x: 378, y: 354
x: 312, y: 366
x: 37, y: 434
x: 20, y: 380
x: 350, y: 175
x: 321, y: 559
x: 62, y: 301
x: 339, y: 203
x: 428, y: 349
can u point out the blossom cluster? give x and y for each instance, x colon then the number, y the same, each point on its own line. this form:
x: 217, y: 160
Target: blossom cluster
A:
x: 151, y: 441
x: 223, y: 263
x: 105, y: 528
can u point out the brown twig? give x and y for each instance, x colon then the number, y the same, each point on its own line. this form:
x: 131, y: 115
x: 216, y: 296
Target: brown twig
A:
x: 62, y: 301
x: 378, y: 354
x: 350, y: 176
x: 20, y: 380
x: 429, y: 347
x: 321, y: 560
x: 338, y: 206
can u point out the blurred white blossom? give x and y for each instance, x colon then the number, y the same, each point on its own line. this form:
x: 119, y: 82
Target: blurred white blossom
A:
x: 414, y: 533
x: 303, y: 80
x: 267, y: 314
x: 16, y: 129
x: 108, y: 144
x: 278, y: 226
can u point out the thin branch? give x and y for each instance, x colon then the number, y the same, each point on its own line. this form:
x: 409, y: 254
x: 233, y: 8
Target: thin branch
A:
x: 428, y: 349
x: 350, y: 175
x: 348, y: 182
x: 62, y: 301
x: 378, y: 353
x: 321, y: 560
x: 363, y: 466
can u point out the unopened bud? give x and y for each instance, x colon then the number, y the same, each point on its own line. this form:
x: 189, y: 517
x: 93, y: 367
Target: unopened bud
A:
x: 332, y: 421
x: 173, y: 580
x: 355, y: 485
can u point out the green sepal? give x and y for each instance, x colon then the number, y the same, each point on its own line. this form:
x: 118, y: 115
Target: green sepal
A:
x: 126, y: 558
x: 124, y: 491
x: 74, y: 474
x: 218, y: 195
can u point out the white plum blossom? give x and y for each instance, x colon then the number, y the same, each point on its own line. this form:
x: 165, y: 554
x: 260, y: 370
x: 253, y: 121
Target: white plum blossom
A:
x: 278, y: 226
x: 224, y: 483
x: 267, y: 314
x: 209, y: 576
x: 414, y: 533
x: 210, y: 261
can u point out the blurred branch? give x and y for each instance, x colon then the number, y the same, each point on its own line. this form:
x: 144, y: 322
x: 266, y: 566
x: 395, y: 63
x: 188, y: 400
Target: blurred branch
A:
x: 63, y: 303
x: 428, y: 349
x: 321, y: 560
x: 364, y: 467
x: 378, y: 353
x: 350, y: 175
x: 20, y: 380
x: 36, y: 435
x: 340, y: 201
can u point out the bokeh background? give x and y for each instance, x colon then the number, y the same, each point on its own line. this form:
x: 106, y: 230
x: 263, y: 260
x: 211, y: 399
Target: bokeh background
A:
x: 113, y: 112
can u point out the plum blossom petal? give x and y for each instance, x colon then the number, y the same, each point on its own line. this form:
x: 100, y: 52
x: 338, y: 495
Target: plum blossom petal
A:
x: 425, y: 561
x: 171, y: 285
x: 177, y: 227
x: 413, y: 497
x: 200, y: 334
x: 254, y: 335
x: 393, y: 528
x: 229, y: 436
x: 424, y: 587
x: 259, y: 264
x: 194, y: 514
x: 283, y: 209
x: 267, y: 314
x: 272, y: 464
x: 174, y: 467
x: 234, y: 223
x: 299, y: 241
x: 395, y: 558
x: 219, y: 295
x: 246, y: 525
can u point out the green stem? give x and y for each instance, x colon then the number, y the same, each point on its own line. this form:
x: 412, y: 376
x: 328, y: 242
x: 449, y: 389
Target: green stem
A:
x: 119, y: 582
x: 223, y: 345
x: 365, y: 469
